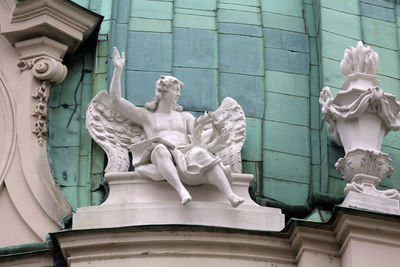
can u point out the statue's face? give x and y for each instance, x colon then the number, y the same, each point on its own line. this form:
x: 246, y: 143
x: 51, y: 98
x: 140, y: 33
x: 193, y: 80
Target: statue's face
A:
x: 172, y: 94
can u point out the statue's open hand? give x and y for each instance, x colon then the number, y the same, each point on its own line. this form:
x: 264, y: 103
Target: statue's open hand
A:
x: 118, y: 60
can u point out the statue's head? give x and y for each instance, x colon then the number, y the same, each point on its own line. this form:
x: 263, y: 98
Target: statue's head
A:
x: 163, y: 85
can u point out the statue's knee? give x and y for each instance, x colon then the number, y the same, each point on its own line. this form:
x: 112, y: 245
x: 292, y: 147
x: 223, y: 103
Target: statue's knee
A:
x: 161, y: 151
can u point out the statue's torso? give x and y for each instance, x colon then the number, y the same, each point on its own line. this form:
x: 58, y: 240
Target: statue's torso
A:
x: 172, y: 127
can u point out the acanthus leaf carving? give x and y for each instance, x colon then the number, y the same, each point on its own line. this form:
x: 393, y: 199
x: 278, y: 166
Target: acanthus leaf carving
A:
x: 40, y: 111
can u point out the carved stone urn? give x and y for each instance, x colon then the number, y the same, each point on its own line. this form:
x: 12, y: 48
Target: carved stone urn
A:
x: 359, y: 117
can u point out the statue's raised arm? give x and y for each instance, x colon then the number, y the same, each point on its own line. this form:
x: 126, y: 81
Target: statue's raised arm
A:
x: 117, y: 103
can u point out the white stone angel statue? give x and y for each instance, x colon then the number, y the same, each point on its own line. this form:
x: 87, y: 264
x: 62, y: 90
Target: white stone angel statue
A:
x: 166, y: 143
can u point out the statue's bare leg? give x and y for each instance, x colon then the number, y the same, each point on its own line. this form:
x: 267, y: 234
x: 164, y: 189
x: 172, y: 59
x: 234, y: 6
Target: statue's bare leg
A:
x: 217, y: 177
x: 163, y: 159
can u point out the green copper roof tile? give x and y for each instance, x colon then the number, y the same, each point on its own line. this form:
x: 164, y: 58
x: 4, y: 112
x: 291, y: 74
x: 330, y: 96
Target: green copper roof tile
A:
x: 286, y: 60
x: 247, y: 90
x: 200, y: 92
x: 382, y: 3
x: 235, y: 16
x: 203, y: 4
x: 341, y: 23
x: 254, y: 9
x: 251, y: 150
x: 314, y: 112
x: 245, y: 57
x: 296, y: 138
x: 240, y: 29
x: 333, y: 45
x: 278, y: 21
x: 392, y: 139
x: 151, y: 9
x: 315, y: 147
x: 285, y: 40
x: 149, y: 51
x: 389, y: 62
x: 241, y: 2
x: 342, y: 5
x: 195, y: 48
x: 287, y: 83
x: 332, y: 76
x: 285, y: 108
x: 284, y: 7
x: 62, y: 134
x: 150, y: 25
x: 290, y: 193
x: 336, y: 186
x: 67, y: 173
x: 194, y: 21
x: 207, y: 13
x: 314, y: 53
x: 389, y: 85
x: 379, y: 33
x: 276, y: 166
x: 82, y: 3
x: 311, y: 27
x: 377, y: 12
x: 314, y: 81
x: 123, y: 10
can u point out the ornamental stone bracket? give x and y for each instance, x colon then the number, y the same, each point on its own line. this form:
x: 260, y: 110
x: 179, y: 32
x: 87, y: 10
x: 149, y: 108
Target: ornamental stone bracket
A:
x: 35, y: 37
x: 359, y: 118
x: 48, y: 69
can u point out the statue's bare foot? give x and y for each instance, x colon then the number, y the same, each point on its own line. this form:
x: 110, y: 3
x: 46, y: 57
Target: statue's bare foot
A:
x: 236, y: 201
x: 185, y: 196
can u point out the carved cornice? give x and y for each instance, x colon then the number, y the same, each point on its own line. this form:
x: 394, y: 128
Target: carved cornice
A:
x: 60, y: 20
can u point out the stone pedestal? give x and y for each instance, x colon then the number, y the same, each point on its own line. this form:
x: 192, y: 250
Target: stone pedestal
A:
x: 136, y: 200
x: 370, y: 202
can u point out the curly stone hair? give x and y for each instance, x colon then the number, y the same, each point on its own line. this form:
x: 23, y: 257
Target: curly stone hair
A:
x: 162, y: 85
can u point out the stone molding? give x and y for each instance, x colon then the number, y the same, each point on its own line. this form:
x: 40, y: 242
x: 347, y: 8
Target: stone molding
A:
x: 301, y: 244
x: 62, y: 21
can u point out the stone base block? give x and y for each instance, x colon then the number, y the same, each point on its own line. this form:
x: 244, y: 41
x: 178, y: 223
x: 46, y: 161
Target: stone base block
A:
x: 135, y: 200
x: 374, y: 203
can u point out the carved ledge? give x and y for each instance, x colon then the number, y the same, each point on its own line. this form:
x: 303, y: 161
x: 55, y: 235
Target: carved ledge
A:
x: 60, y: 20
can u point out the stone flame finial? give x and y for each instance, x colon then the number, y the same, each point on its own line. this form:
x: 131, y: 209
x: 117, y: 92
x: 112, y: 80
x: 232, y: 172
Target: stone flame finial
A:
x: 359, y: 59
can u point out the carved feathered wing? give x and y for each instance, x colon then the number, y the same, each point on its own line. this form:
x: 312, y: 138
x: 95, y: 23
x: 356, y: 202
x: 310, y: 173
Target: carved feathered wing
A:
x: 230, y: 115
x: 112, y: 131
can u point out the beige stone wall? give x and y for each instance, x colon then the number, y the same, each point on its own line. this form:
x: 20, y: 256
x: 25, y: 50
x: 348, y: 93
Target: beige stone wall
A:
x: 35, y: 35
